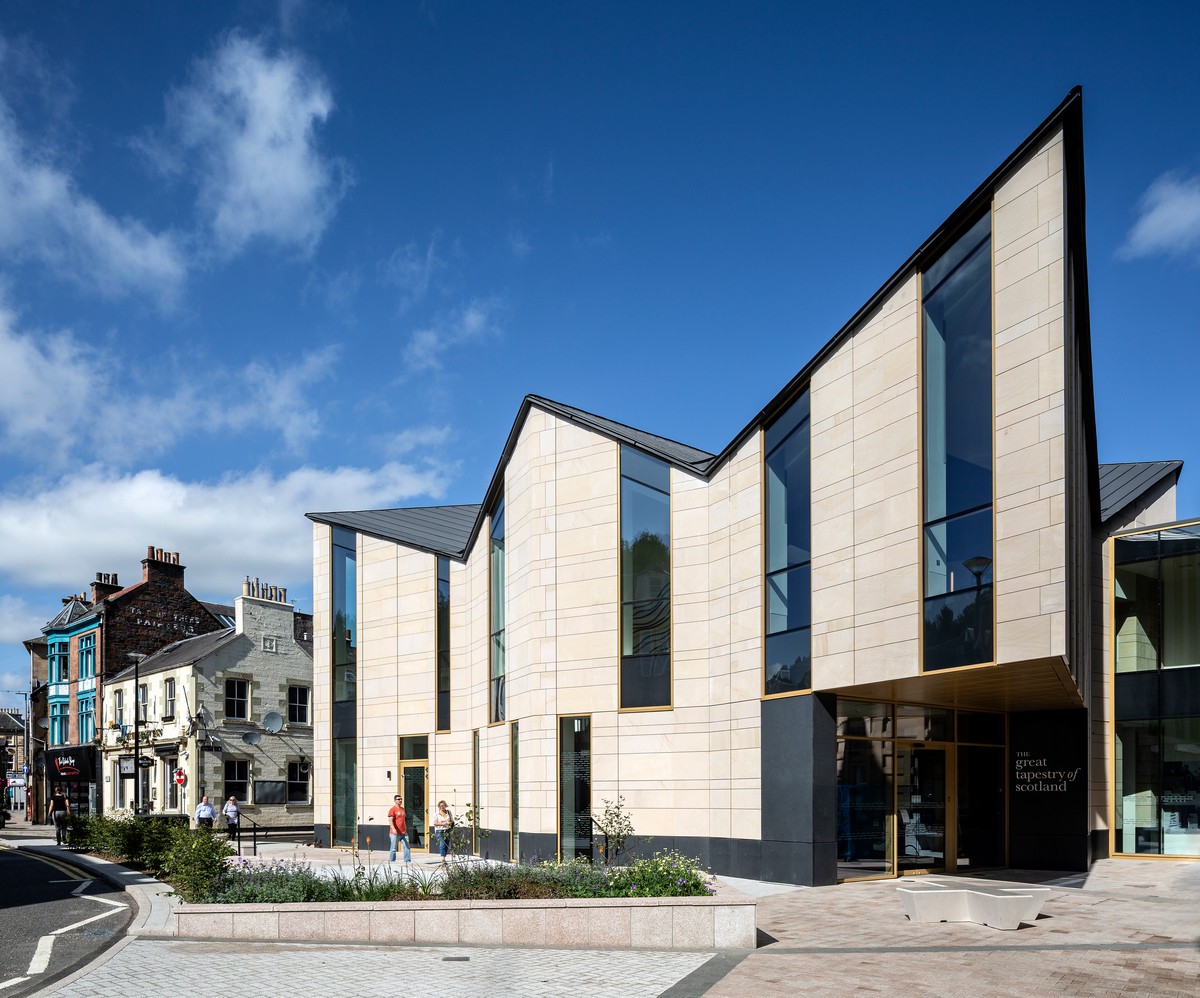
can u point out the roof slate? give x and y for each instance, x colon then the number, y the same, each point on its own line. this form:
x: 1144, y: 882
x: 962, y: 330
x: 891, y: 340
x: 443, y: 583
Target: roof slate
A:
x: 72, y: 611
x: 1122, y: 484
x: 183, y: 652
x: 444, y: 530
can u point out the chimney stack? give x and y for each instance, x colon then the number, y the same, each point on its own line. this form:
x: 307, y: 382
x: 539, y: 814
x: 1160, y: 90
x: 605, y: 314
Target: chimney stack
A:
x: 162, y: 566
x: 104, y: 586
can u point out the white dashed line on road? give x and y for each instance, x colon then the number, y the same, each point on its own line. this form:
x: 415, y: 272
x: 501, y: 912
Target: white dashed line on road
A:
x: 41, y: 956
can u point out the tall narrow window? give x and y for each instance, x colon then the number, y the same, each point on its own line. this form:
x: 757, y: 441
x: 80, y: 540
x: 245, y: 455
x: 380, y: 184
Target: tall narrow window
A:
x: 60, y: 722
x: 87, y: 719
x: 645, y: 581
x: 575, y: 787
x: 87, y: 656
x: 298, y: 705
x: 957, y: 291
x: 497, y: 662
x: 237, y: 699
x: 143, y: 695
x: 344, y: 830
x: 475, y: 790
x: 168, y: 713
x: 515, y: 791
x: 119, y: 707
x: 60, y: 662
x: 789, y: 552
x: 443, y: 644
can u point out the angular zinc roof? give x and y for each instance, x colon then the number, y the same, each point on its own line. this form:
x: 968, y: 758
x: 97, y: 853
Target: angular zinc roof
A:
x: 1122, y: 484
x: 444, y: 530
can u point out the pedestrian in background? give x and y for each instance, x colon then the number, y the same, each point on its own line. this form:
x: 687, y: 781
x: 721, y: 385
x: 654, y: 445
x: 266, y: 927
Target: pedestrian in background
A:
x: 398, y: 829
x: 443, y: 824
x: 60, y: 811
x: 205, y: 813
x: 232, y: 816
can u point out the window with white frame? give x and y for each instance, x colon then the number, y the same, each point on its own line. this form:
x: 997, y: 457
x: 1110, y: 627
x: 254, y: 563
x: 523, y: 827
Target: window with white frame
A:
x: 297, y: 705
x: 297, y: 783
x: 119, y: 708
x: 237, y: 699
x: 237, y: 779
x: 168, y: 713
x: 143, y: 695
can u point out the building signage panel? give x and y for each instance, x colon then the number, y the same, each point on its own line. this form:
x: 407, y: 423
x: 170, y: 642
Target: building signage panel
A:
x: 76, y: 763
x: 128, y: 766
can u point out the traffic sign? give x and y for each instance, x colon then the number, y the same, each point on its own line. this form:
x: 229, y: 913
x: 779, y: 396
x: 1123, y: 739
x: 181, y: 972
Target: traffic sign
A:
x: 180, y: 777
x: 25, y: 769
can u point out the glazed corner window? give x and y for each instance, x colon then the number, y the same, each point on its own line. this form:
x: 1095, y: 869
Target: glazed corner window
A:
x: 789, y: 552
x: 345, y: 615
x: 87, y: 656
x: 169, y: 700
x: 297, y: 705
x: 60, y: 722
x: 496, y: 656
x: 237, y: 699
x: 60, y: 662
x: 1156, y: 592
x: 645, y: 581
x: 297, y: 783
x: 443, y: 644
x: 957, y: 343
x: 237, y: 779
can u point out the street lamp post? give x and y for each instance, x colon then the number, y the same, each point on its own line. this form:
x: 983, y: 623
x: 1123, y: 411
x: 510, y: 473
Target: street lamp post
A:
x: 137, y: 657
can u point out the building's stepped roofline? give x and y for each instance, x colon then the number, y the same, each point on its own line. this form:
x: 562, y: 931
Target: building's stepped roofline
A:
x: 1123, y: 484
x: 443, y: 530
x: 418, y: 531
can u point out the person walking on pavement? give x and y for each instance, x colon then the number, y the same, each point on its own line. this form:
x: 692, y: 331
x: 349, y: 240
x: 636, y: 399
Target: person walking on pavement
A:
x: 232, y: 816
x: 60, y: 811
x: 205, y: 813
x: 398, y: 829
x: 443, y: 824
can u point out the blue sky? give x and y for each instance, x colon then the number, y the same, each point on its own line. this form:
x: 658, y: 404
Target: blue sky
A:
x: 258, y: 259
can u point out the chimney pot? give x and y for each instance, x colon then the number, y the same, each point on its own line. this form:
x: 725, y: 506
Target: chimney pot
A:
x: 246, y: 586
x: 99, y: 577
x: 282, y: 595
x: 150, y: 551
x: 158, y: 554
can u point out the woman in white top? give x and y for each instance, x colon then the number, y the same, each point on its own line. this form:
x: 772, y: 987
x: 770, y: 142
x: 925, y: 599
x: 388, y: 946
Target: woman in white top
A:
x: 443, y: 822
x: 232, y: 814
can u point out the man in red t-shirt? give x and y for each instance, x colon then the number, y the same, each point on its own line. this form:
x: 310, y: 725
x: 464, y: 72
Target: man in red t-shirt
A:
x: 398, y: 830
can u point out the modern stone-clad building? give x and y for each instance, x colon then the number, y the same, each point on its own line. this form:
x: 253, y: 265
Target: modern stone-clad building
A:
x: 871, y: 635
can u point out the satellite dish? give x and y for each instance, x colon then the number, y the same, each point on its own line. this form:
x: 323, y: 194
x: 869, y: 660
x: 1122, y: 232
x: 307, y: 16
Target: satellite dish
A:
x: 252, y: 738
x: 43, y: 722
x: 273, y: 722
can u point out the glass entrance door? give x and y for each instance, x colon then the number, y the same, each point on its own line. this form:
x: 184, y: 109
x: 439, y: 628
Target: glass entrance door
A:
x: 412, y: 789
x: 922, y: 804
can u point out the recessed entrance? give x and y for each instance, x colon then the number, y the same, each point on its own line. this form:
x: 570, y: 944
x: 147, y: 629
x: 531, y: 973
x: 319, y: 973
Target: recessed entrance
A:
x: 412, y: 789
x: 918, y: 805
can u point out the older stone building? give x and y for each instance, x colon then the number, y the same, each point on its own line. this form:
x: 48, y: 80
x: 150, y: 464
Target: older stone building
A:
x: 225, y: 713
x: 91, y: 637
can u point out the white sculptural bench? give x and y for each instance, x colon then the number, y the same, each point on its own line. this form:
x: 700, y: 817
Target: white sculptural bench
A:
x: 997, y: 907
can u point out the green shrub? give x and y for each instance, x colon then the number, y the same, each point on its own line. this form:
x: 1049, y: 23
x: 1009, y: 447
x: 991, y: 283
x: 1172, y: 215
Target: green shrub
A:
x: 666, y: 874
x: 195, y: 861
x: 138, y: 841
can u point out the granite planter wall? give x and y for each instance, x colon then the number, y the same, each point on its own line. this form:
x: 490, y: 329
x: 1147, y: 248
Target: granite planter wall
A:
x: 724, y: 921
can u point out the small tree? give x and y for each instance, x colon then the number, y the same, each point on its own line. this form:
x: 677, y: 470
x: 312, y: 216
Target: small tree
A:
x: 465, y: 829
x: 616, y: 826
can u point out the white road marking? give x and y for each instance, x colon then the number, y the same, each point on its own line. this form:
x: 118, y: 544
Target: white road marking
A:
x: 41, y: 956
x: 92, y: 897
x: 12, y: 981
x: 82, y: 887
x: 94, y: 918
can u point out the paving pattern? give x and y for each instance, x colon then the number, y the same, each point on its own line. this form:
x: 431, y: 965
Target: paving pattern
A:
x: 150, y: 968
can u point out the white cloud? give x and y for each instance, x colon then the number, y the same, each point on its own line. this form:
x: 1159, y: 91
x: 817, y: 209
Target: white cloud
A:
x: 249, y: 524
x: 246, y: 127
x: 96, y: 404
x: 19, y: 620
x: 413, y: 270
x: 518, y: 243
x: 45, y: 218
x: 1168, y: 220
x: 406, y: 441
x: 473, y: 322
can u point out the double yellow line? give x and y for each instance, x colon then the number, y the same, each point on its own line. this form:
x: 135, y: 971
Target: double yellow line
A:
x: 74, y: 872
